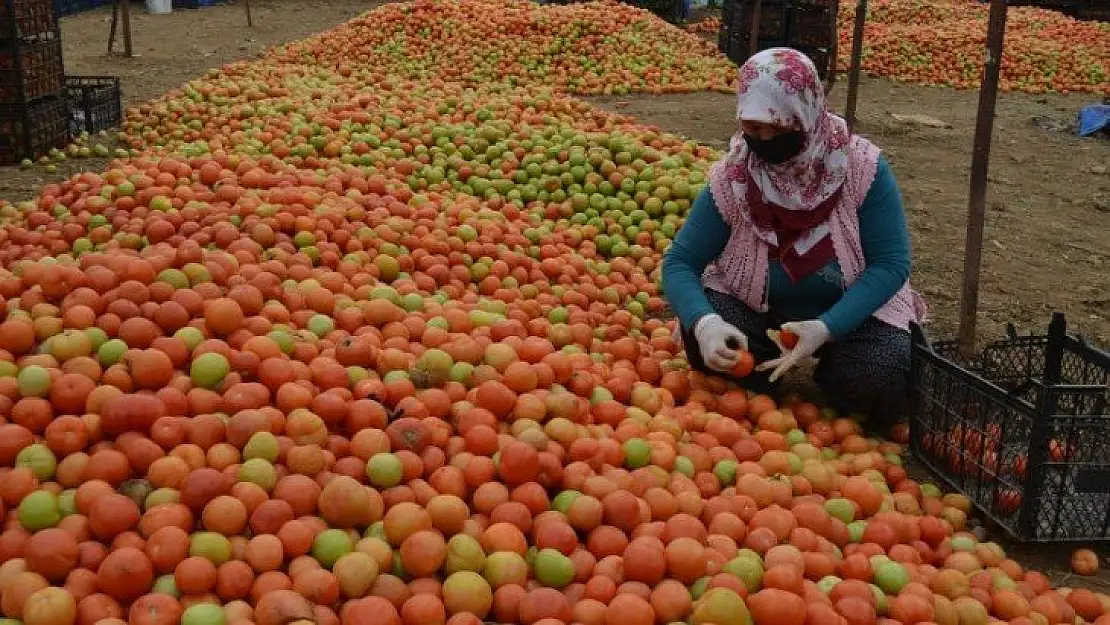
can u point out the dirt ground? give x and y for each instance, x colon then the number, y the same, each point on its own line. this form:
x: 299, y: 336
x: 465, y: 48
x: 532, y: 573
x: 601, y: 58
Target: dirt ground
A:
x: 173, y: 49
x: 1049, y: 197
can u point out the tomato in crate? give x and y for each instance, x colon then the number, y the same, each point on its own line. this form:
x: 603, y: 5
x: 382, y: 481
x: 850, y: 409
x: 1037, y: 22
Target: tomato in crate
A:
x: 1021, y: 429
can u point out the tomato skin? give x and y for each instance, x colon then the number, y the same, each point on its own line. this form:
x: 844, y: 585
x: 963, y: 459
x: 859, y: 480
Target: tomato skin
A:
x: 745, y: 362
x: 788, y: 339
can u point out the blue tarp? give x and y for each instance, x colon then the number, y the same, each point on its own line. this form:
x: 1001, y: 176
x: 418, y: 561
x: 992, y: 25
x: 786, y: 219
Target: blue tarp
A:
x: 1094, y: 118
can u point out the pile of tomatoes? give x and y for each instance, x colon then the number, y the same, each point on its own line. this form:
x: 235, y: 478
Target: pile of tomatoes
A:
x: 941, y: 43
x: 355, y: 341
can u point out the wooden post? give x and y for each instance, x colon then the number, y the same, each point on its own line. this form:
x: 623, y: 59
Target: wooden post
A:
x: 112, y: 30
x: 857, y: 62
x: 250, y: 19
x: 127, y: 49
x: 980, y: 163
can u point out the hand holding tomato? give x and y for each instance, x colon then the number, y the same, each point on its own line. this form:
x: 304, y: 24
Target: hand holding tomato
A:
x: 808, y: 337
x: 719, y: 342
x: 745, y: 362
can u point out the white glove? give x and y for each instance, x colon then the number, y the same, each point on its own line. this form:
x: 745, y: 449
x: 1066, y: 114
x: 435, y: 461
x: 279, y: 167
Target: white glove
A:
x: 811, y: 336
x: 719, y: 342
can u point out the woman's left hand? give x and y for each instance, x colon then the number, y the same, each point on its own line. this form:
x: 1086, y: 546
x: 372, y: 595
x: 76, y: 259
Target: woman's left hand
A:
x: 811, y: 336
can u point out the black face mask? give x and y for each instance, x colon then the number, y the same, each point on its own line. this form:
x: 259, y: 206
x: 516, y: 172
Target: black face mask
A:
x: 778, y: 149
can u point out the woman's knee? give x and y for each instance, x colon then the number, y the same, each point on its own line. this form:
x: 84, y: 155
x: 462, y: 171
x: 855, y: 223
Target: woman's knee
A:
x: 869, y: 374
x: 882, y: 396
x: 863, y: 372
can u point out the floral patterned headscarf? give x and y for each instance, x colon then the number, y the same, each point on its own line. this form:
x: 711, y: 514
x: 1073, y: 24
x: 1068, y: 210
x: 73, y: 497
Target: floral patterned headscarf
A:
x: 780, y: 86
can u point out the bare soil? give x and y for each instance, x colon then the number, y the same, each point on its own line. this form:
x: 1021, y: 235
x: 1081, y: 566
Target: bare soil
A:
x: 1049, y: 192
x: 172, y: 49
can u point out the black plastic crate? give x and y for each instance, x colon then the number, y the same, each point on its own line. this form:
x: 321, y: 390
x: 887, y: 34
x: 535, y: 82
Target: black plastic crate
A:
x: 62, y: 8
x: 671, y: 10
x: 26, y: 18
x: 94, y: 103
x: 1063, y: 6
x: 31, y: 68
x: 1022, y: 429
x: 811, y: 26
x: 194, y: 4
x: 1095, y: 11
x: 28, y: 131
x: 738, y: 15
x: 806, y: 26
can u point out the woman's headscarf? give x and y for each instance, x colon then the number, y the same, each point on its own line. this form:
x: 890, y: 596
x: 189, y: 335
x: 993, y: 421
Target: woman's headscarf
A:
x: 791, y: 201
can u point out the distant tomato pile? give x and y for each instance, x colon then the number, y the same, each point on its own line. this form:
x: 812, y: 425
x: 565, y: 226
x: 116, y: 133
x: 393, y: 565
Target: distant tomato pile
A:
x: 369, y: 333
x: 709, y: 26
x: 942, y: 43
x: 595, y: 48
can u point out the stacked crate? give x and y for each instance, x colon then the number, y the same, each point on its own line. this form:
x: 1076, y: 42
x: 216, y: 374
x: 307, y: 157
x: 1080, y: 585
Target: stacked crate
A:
x: 805, y: 25
x: 34, y: 116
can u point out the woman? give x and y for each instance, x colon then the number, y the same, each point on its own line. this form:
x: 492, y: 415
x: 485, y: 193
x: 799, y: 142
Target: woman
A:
x: 802, y: 227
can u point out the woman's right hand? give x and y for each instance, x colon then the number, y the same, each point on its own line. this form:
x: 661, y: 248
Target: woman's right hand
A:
x: 720, y: 342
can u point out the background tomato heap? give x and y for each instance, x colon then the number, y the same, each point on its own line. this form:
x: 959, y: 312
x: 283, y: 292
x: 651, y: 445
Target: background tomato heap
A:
x: 941, y: 43
x: 370, y: 332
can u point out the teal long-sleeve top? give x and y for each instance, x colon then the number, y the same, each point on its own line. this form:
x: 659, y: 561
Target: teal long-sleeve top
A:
x: 820, y: 295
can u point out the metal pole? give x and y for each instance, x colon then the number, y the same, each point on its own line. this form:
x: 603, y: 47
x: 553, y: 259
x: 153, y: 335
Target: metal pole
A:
x: 856, y: 66
x: 980, y: 162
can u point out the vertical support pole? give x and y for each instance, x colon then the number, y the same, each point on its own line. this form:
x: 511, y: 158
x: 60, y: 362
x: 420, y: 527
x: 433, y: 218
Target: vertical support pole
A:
x: 127, y: 48
x: 856, y: 66
x: 115, y: 24
x: 250, y: 19
x: 980, y: 163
